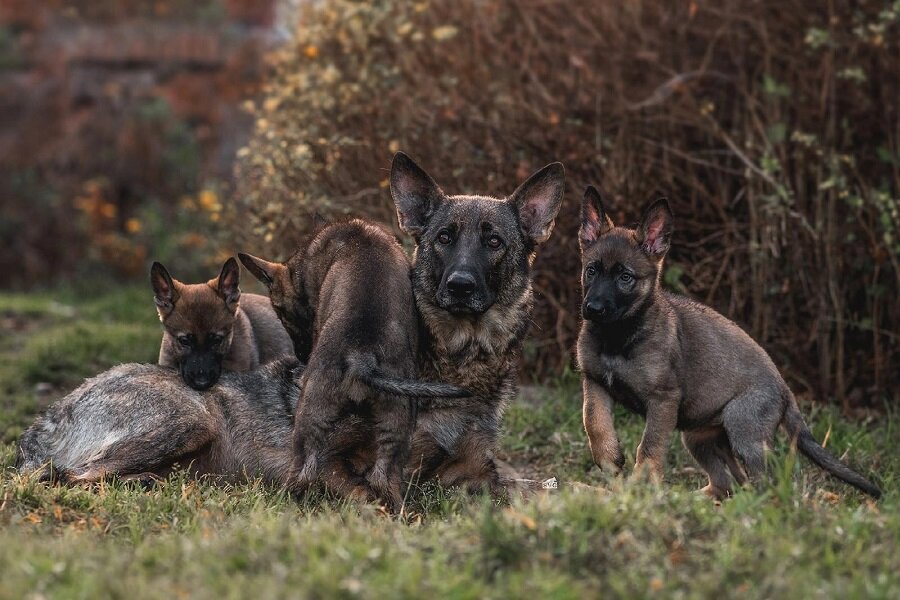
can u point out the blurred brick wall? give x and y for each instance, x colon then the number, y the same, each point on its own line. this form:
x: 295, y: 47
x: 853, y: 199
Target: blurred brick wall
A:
x: 108, y: 89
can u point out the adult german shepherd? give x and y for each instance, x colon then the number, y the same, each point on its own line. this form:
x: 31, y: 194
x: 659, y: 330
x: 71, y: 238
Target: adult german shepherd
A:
x: 677, y: 362
x: 208, y: 327
x: 353, y: 280
x: 139, y: 421
x: 471, y: 278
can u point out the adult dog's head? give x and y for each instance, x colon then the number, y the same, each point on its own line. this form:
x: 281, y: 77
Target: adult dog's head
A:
x: 473, y: 252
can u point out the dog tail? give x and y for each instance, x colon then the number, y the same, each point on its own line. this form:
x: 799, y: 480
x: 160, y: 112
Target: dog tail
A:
x: 801, y: 435
x: 364, y: 368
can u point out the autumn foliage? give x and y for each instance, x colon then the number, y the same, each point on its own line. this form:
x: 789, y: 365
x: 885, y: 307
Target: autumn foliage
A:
x: 773, y: 127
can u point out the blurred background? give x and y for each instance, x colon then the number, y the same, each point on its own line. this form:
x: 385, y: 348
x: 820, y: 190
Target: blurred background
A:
x: 185, y: 130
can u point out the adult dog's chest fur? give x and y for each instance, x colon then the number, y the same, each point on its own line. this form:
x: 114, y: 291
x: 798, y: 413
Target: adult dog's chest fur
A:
x: 480, y: 355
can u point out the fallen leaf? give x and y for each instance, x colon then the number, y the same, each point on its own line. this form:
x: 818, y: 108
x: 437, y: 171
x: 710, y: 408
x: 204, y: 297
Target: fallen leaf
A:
x: 524, y: 519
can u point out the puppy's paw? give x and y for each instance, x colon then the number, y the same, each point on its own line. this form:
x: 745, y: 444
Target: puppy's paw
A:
x: 648, y: 471
x: 610, y: 461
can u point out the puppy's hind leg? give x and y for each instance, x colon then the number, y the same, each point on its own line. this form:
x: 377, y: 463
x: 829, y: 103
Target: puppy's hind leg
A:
x: 704, y: 447
x: 750, y: 421
x: 150, y: 453
x: 394, y: 425
x: 315, y: 428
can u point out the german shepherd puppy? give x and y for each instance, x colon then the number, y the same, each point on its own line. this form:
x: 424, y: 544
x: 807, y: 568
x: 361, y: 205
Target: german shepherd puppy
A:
x: 471, y: 278
x: 363, y: 358
x: 138, y: 421
x: 208, y: 327
x: 677, y: 362
x: 287, y: 296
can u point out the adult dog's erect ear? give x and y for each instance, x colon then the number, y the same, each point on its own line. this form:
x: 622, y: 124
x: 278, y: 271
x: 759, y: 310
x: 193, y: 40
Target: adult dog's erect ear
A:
x: 415, y: 193
x: 538, y: 201
x: 594, y: 220
x: 164, y: 293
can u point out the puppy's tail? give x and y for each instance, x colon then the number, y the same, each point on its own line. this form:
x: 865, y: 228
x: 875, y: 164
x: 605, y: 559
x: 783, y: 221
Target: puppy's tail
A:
x: 798, y: 431
x: 364, y: 368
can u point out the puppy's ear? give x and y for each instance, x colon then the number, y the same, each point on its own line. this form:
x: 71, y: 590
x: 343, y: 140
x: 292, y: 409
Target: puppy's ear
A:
x: 164, y: 293
x: 655, y: 232
x: 594, y: 220
x: 267, y: 272
x: 538, y: 201
x: 229, y: 283
x: 319, y: 223
x: 415, y: 193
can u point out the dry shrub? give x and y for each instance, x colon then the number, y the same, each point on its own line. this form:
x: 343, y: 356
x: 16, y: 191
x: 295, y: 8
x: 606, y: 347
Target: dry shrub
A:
x: 772, y: 125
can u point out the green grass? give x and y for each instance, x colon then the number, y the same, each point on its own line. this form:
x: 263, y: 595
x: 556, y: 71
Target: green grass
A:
x: 802, y: 535
x: 50, y: 341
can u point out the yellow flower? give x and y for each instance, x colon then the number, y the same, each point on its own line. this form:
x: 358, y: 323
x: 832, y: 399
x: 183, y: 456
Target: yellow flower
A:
x: 208, y: 200
x: 311, y: 51
x: 133, y: 225
x: 445, y: 32
x: 109, y: 210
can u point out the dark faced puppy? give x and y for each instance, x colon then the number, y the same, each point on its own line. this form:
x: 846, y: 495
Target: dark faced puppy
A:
x: 677, y: 362
x: 619, y: 282
x: 208, y: 327
x: 471, y: 277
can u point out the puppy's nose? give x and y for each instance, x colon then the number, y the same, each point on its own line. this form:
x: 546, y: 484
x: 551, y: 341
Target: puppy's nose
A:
x: 594, y: 308
x: 460, y: 285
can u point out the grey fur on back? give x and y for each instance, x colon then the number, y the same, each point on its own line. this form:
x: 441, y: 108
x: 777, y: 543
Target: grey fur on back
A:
x: 137, y: 418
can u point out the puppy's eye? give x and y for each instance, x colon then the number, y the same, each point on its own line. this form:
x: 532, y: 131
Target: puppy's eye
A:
x: 590, y: 271
x: 214, y: 338
x: 184, y: 340
x: 444, y: 237
x: 494, y: 242
x: 626, y: 277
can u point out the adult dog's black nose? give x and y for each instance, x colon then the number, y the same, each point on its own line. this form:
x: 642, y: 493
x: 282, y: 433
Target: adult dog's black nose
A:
x: 594, y: 309
x: 460, y: 285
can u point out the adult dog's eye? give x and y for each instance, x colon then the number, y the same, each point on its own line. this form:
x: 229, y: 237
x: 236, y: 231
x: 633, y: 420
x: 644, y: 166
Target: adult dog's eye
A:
x: 494, y: 242
x: 590, y: 271
x: 214, y: 338
x: 444, y: 237
x: 626, y: 277
x: 184, y: 340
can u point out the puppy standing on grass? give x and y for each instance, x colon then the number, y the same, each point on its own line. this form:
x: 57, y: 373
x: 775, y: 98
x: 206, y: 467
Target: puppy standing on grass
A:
x: 677, y: 362
x: 354, y: 277
x: 208, y: 327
